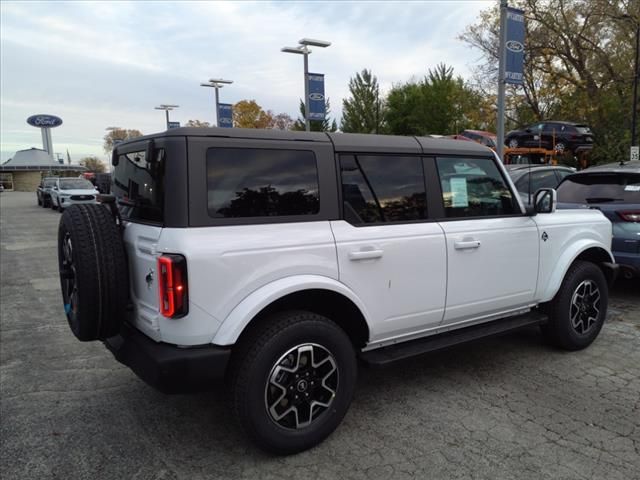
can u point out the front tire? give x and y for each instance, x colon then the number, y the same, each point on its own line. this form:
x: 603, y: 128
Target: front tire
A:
x: 578, y: 311
x: 293, y: 380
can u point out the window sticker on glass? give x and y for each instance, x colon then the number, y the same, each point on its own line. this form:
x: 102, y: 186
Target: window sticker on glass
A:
x: 459, y: 197
x: 632, y: 188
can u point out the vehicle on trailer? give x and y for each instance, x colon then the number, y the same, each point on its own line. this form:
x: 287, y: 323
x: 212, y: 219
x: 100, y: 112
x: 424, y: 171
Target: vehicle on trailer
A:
x: 559, y: 136
x: 43, y: 192
x: 613, y: 189
x: 72, y: 191
x: 276, y: 260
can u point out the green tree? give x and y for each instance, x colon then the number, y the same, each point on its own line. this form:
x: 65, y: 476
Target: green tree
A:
x: 197, y: 123
x: 363, y: 111
x: 326, y: 125
x: 116, y: 135
x: 93, y: 164
x: 578, y: 66
x: 438, y: 104
x: 248, y: 114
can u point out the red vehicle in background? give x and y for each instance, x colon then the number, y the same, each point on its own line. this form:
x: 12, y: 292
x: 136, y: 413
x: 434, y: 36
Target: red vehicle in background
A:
x: 483, y: 137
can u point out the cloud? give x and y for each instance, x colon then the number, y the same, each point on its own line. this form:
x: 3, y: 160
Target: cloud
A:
x: 98, y: 64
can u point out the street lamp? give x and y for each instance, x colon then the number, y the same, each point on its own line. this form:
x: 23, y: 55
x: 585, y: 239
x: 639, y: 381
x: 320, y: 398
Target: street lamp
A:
x: 166, y: 109
x: 217, y: 83
x: 303, y: 49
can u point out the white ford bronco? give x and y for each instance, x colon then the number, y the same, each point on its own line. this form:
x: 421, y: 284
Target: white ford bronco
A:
x: 278, y: 260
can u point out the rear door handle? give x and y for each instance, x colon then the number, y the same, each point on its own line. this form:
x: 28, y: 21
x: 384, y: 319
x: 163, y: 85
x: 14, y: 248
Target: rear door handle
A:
x: 365, y: 255
x: 466, y: 244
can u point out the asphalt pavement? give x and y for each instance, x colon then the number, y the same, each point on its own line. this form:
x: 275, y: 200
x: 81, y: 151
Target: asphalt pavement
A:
x: 502, y: 408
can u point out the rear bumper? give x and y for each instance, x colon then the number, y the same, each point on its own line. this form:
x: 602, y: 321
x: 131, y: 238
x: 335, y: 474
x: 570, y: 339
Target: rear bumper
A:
x: 169, y: 368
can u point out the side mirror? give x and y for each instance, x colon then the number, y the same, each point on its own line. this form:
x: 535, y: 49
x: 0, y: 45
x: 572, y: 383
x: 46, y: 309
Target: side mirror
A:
x: 545, y: 200
x: 55, y: 187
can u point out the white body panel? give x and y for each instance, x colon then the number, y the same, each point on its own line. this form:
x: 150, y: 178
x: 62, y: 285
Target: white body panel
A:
x: 492, y: 267
x: 569, y: 233
x: 397, y: 271
x: 226, y: 265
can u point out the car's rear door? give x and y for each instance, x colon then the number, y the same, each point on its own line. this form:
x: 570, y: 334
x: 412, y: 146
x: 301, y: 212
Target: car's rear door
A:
x: 389, y: 253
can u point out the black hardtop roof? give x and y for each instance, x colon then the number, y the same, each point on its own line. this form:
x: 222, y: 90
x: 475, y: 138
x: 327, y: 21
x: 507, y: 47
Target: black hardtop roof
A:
x: 561, y: 122
x: 343, y: 142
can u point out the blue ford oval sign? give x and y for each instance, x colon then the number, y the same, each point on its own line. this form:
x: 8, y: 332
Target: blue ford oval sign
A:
x: 515, y: 46
x: 44, y: 121
x: 316, y: 96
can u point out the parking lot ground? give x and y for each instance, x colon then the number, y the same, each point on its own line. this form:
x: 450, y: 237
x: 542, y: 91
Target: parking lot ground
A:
x: 507, y: 407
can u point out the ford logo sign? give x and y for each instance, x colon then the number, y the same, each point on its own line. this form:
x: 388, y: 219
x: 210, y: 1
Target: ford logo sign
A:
x: 515, y: 46
x: 44, y: 121
x: 316, y: 96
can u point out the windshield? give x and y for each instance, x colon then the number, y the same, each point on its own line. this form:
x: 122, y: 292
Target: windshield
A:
x: 600, y: 188
x: 49, y: 182
x: 76, y: 184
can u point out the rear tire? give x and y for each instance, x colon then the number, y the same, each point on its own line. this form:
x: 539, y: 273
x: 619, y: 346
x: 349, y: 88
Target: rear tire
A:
x: 578, y: 311
x: 93, y: 272
x: 292, y: 380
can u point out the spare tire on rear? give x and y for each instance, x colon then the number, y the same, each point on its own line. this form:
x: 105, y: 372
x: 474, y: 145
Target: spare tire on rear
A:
x: 93, y: 272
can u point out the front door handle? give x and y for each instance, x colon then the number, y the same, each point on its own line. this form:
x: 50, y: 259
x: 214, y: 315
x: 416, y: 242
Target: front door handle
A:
x: 365, y: 255
x: 466, y: 244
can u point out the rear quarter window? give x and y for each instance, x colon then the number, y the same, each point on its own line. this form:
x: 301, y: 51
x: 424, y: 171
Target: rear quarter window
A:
x: 254, y: 182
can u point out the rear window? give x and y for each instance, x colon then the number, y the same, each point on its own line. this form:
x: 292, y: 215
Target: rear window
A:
x: 253, y: 182
x: 583, y: 129
x: 138, y: 186
x: 600, y: 188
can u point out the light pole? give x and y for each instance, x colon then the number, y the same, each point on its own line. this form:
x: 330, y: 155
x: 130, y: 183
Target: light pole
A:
x: 303, y: 49
x: 217, y: 83
x: 166, y: 109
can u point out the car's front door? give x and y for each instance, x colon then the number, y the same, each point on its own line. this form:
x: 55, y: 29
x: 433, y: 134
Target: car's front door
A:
x: 492, y: 248
x: 389, y: 254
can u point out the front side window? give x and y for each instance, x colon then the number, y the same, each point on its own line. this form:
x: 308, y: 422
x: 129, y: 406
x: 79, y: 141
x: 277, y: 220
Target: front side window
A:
x: 379, y: 189
x: 253, y: 182
x: 474, y: 188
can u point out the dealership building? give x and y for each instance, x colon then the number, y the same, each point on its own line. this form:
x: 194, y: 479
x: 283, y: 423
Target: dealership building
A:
x: 25, y: 169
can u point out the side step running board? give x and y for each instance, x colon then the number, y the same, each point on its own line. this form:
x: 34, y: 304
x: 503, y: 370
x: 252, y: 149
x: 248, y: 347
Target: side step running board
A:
x: 400, y: 351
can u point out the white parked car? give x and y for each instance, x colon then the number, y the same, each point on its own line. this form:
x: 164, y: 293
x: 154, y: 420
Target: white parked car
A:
x: 72, y: 191
x: 276, y: 259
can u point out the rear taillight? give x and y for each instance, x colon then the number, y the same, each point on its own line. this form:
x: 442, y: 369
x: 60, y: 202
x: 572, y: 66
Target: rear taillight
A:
x: 172, y: 286
x: 629, y: 215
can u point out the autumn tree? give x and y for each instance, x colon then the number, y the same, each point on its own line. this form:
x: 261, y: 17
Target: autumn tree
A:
x: 197, y: 123
x: 578, y: 66
x: 363, y: 111
x: 326, y: 125
x: 93, y: 164
x: 282, y: 121
x: 116, y: 135
x: 248, y: 114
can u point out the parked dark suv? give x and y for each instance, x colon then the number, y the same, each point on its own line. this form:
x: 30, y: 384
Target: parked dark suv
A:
x: 558, y: 136
x: 613, y: 189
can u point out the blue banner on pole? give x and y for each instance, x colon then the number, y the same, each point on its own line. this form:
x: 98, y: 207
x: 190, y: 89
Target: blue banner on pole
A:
x: 174, y: 125
x: 316, y: 96
x: 225, y: 115
x: 514, y: 46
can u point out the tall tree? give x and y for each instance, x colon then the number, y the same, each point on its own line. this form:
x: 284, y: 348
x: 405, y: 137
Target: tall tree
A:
x: 326, y: 125
x: 116, y: 135
x: 282, y: 121
x: 248, y: 114
x: 363, y: 111
x: 438, y: 104
x: 578, y: 65
x: 197, y: 123
x: 93, y: 164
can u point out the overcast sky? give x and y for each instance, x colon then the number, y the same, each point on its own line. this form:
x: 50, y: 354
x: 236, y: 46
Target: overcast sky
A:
x: 102, y: 64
